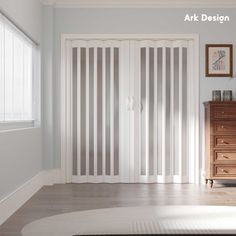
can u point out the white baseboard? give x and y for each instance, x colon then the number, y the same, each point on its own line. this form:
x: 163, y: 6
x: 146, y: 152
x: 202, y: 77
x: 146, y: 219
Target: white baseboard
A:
x: 11, y: 203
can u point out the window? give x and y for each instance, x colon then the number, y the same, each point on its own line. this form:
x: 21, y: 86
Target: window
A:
x: 17, y: 75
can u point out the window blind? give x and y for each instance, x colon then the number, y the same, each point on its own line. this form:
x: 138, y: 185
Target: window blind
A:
x: 16, y: 74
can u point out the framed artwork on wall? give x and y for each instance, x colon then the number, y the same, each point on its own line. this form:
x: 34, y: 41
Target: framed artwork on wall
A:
x: 219, y: 60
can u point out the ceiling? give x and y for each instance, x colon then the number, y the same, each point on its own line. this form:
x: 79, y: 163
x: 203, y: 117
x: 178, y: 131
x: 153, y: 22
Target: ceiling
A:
x: 141, y: 3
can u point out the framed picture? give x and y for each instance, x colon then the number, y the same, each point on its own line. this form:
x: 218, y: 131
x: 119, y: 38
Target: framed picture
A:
x: 219, y: 60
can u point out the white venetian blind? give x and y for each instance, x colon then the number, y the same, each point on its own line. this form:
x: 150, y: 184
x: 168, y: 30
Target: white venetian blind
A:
x: 16, y: 74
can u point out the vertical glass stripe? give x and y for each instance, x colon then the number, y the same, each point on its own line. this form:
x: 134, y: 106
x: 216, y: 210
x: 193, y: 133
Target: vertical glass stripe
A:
x: 176, y: 111
x: 159, y: 109
x: 83, y: 111
x: 116, y: 111
x: 91, y: 111
x: 151, y: 111
x: 168, y: 124
x: 108, y: 128
x: 74, y: 111
x: 99, y: 111
x: 184, y: 113
x: 143, y: 113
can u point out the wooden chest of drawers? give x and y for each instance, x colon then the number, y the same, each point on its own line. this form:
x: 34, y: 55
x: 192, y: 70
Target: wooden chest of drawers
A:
x: 220, y: 140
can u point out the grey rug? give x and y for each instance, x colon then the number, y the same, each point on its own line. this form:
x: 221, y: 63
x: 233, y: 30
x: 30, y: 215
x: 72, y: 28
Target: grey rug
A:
x: 138, y: 220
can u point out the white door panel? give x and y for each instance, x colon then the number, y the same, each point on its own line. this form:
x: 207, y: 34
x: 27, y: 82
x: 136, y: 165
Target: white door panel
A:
x: 99, y: 115
x: 161, y: 119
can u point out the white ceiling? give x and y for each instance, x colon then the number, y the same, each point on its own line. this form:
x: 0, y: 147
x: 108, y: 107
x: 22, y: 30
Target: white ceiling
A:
x: 141, y: 3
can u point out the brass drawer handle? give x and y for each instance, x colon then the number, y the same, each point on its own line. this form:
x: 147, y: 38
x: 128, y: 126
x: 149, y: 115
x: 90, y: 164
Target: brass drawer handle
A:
x: 223, y: 156
x: 223, y: 141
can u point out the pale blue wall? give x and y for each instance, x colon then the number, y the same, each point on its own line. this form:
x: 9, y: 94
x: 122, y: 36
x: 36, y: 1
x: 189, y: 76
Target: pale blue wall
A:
x: 47, y: 87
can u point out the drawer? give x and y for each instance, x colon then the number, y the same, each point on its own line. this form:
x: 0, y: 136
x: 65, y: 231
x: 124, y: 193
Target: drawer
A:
x: 225, y: 127
x: 225, y: 141
x: 224, y: 112
x: 225, y: 156
x: 225, y: 170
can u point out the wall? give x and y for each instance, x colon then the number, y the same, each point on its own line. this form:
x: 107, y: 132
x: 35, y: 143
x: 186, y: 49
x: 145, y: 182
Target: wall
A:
x: 20, y: 158
x: 142, y: 21
x: 47, y: 87
x: 25, y: 13
x: 21, y: 151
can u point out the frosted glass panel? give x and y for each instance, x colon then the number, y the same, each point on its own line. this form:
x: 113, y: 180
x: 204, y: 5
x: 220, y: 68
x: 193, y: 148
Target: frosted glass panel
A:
x: 184, y: 116
x: 143, y: 111
x: 116, y: 111
x: 98, y: 100
x: 167, y: 110
x: 159, y: 109
x: 176, y: 111
x: 151, y: 111
x: 99, y: 111
x: 83, y: 111
x: 108, y: 122
x: 91, y: 111
x: 75, y: 74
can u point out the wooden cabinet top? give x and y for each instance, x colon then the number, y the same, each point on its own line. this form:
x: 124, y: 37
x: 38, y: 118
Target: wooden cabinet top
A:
x: 219, y: 103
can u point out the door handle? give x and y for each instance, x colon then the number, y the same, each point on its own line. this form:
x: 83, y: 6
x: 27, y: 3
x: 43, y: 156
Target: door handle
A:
x: 130, y: 103
x: 140, y: 106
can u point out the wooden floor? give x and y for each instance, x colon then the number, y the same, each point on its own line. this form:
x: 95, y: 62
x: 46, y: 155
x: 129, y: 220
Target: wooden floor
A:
x: 57, y: 199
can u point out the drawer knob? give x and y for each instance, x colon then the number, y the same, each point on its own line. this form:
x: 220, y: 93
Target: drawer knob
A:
x: 223, y: 156
x: 224, y: 142
x: 222, y: 112
x: 222, y: 127
x: 225, y: 171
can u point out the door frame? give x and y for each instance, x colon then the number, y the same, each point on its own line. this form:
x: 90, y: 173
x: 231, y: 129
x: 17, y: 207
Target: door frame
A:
x: 66, y: 95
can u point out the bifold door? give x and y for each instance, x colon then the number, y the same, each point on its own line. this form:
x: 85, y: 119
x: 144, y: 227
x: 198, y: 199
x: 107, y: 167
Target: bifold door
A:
x: 161, y: 86
x: 131, y: 110
x: 100, y: 114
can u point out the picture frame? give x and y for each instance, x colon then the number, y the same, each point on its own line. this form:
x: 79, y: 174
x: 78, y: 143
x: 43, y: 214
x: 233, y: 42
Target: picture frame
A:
x: 219, y: 60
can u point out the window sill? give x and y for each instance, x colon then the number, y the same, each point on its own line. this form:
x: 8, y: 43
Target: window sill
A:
x: 17, y: 125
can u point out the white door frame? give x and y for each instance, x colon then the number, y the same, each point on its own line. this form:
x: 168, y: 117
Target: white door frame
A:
x: 66, y: 95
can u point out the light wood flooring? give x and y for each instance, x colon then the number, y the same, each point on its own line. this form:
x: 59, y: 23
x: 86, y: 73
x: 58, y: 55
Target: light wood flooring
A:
x: 62, y: 198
